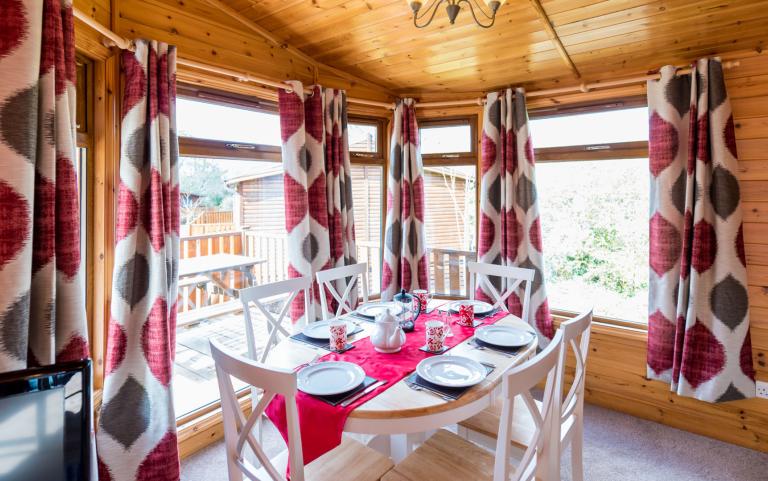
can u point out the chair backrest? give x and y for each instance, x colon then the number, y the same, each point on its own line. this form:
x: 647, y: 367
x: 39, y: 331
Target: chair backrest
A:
x: 345, y: 280
x: 576, y: 334
x: 541, y: 459
x: 511, y: 279
x: 257, y: 295
x: 238, y: 430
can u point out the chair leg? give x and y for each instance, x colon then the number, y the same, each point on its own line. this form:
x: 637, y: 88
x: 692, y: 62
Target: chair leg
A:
x: 577, y: 450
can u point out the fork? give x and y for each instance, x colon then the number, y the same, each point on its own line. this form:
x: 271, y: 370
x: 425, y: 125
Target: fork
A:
x: 416, y: 387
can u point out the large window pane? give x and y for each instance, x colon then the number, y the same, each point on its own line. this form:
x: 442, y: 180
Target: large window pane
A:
x: 363, y: 137
x: 204, y: 120
x: 594, y: 217
x: 231, y: 207
x: 450, y: 223
x: 367, y: 185
x: 594, y: 128
x: 445, y: 139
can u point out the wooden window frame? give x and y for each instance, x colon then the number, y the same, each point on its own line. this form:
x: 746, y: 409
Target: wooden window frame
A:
x: 616, y: 151
x: 452, y: 158
x: 370, y: 158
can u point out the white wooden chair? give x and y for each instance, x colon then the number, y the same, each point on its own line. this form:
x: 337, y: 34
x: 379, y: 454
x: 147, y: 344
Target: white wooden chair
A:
x: 257, y: 295
x: 482, y: 428
x: 334, y: 280
x: 512, y: 277
x: 350, y: 461
x: 449, y: 456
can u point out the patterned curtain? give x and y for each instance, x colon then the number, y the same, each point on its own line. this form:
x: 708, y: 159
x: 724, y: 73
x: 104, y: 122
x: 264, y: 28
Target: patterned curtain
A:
x: 698, y: 324
x: 405, y: 256
x: 319, y: 217
x: 42, y: 296
x: 510, y: 230
x: 137, y: 425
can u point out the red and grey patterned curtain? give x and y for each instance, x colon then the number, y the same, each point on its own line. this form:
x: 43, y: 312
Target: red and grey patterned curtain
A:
x: 137, y: 426
x: 405, y: 253
x: 42, y: 296
x: 319, y: 217
x: 510, y: 229
x: 698, y: 324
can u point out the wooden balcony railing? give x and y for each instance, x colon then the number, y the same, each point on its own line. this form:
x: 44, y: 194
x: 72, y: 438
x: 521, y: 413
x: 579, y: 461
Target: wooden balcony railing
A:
x: 448, y: 267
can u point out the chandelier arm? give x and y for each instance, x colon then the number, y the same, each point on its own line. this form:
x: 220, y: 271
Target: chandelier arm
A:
x: 477, y: 21
x: 433, y: 6
x: 479, y: 7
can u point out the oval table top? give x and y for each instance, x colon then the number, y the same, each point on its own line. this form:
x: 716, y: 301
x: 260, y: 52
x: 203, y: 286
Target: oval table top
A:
x: 402, y: 409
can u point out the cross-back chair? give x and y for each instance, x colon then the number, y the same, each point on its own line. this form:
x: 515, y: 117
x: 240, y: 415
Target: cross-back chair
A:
x: 480, y: 274
x: 335, y: 465
x: 347, y: 278
x: 449, y: 456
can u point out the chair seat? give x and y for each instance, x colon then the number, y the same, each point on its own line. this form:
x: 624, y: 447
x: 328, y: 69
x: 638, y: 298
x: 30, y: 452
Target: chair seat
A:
x: 444, y: 456
x: 487, y: 423
x: 350, y: 461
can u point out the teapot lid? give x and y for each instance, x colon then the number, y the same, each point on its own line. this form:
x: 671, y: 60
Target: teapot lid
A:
x: 403, y: 296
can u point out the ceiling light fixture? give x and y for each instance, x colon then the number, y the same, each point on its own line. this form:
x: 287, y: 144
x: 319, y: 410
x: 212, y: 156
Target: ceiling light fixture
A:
x: 452, y: 8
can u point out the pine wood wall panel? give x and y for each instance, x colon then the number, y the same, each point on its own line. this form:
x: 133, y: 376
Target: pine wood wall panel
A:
x: 616, y: 366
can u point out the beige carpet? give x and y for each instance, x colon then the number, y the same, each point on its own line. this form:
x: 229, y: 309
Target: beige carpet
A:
x: 617, y: 447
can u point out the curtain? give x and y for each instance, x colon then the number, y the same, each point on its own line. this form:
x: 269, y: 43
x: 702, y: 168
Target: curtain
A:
x: 136, y: 436
x: 405, y: 252
x: 698, y: 324
x: 317, y: 182
x: 510, y: 229
x: 42, y: 296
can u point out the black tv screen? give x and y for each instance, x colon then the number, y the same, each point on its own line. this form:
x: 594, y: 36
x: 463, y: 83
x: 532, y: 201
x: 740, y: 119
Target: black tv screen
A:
x: 45, y: 421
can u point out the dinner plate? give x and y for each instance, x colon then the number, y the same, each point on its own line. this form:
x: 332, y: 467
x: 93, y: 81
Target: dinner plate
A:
x: 451, y: 371
x: 481, y: 308
x: 504, y: 336
x: 373, y: 309
x: 320, y: 329
x: 330, y: 378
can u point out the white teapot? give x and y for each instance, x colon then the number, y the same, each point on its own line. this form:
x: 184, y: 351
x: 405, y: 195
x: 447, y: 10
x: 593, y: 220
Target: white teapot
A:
x: 387, y: 336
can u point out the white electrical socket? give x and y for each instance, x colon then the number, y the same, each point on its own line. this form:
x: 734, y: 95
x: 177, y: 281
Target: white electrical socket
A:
x: 762, y: 389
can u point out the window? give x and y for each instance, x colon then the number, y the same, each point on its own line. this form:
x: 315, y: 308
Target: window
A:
x: 594, y: 212
x: 232, y: 124
x: 365, y: 138
x: 450, y: 191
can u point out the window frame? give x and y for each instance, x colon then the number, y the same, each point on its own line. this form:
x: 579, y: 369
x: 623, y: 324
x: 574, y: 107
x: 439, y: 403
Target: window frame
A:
x: 616, y: 151
x: 452, y: 158
x: 370, y: 158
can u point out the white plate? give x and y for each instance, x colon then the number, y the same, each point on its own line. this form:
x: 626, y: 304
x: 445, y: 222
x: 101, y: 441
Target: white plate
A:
x: 329, y: 378
x: 373, y: 309
x: 504, y: 336
x: 320, y: 329
x: 481, y: 308
x: 451, y: 371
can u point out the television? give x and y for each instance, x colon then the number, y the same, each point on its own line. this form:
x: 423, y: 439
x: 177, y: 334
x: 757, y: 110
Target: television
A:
x: 45, y: 423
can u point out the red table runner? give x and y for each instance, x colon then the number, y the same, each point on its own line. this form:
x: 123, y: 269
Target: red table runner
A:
x: 322, y: 424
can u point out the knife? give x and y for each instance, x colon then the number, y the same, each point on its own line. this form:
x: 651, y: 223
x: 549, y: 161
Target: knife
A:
x: 362, y: 393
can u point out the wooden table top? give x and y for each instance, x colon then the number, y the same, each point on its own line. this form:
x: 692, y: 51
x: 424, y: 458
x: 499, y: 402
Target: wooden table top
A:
x: 401, y: 401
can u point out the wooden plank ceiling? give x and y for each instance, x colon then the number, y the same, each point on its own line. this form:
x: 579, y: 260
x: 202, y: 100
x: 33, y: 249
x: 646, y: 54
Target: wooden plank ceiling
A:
x: 376, y: 40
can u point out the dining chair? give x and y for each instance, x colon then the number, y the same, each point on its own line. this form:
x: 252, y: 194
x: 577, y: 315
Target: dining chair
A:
x: 349, y: 461
x: 449, y: 456
x: 482, y: 428
x: 480, y: 274
x: 342, y: 278
x: 257, y: 295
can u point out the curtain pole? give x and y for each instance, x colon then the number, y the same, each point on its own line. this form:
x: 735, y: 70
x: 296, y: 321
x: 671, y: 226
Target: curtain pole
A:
x: 126, y: 44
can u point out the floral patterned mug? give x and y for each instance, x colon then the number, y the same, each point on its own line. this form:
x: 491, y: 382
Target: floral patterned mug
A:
x: 338, y: 339
x: 424, y: 297
x: 436, y: 334
x: 466, y: 315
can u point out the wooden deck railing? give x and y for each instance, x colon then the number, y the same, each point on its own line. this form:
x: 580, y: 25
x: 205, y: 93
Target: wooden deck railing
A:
x: 448, y: 267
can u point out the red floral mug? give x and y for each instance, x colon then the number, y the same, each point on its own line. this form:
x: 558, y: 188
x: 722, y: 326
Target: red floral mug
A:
x: 436, y: 334
x: 466, y: 315
x: 424, y: 296
x: 338, y: 338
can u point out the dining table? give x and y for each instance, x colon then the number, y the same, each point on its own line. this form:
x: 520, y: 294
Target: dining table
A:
x: 403, y: 409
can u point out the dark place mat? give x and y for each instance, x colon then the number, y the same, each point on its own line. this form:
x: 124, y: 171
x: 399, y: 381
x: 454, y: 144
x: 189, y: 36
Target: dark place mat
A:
x: 337, y: 399
x: 492, y: 347
x: 424, y: 348
x: 450, y: 393
x: 322, y: 343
